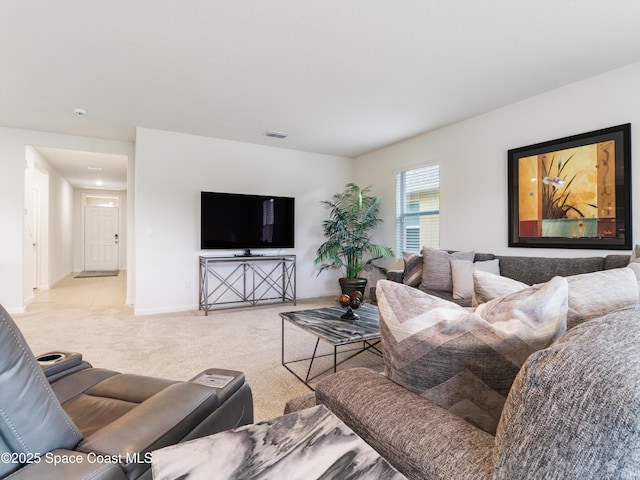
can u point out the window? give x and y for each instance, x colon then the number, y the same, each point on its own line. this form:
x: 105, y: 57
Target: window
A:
x: 417, y: 209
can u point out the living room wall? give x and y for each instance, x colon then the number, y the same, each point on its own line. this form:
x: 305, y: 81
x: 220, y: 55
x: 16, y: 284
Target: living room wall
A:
x: 473, y: 159
x: 171, y: 171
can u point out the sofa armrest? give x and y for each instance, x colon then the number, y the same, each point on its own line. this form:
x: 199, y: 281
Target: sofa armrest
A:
x: 395, y: 275
x: 419, y: 438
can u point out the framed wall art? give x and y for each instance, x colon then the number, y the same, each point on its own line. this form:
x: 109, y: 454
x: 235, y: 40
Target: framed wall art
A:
x: 574, y: 192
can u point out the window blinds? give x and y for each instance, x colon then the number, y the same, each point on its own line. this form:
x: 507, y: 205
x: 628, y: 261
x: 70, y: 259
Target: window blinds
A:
x: 417, y: 209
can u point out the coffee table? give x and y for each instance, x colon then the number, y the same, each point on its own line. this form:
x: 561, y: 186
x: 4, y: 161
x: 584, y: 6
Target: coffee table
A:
x: 325, y: 324
x: 305, y: 445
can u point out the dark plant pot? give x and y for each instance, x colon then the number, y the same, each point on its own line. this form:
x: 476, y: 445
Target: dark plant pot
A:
x: 349, y: 285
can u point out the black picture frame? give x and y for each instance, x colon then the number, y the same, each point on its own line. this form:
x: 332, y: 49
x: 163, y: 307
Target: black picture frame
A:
x: 573, y: 192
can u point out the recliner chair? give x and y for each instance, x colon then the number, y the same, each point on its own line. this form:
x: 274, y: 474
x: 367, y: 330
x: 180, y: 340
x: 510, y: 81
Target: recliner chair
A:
x: 76, y: 421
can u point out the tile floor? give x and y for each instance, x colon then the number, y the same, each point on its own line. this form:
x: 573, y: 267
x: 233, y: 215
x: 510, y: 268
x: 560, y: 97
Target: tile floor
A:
x: 94, y: 293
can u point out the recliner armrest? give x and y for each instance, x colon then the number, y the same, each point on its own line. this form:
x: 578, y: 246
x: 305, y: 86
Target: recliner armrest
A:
x: 162, y: 420
x: 70, y: 465
x: 59, y: 364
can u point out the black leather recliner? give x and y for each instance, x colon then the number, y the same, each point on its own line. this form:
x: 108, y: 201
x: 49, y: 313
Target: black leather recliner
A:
x: 76, y: 421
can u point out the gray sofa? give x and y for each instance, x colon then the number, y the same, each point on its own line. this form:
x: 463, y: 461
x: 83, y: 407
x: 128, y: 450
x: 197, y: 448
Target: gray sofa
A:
x: 529, y: 270
x: 572, y: 411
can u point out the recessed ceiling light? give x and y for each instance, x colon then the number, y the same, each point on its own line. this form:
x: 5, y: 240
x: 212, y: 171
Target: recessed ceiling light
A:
x: 79, y: 112
x: 95, y: 169
x: 98, y: 182
x: 274, y: 134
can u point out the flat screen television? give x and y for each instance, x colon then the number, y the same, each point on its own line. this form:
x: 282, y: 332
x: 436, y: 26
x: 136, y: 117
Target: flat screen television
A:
x: 238, y: 221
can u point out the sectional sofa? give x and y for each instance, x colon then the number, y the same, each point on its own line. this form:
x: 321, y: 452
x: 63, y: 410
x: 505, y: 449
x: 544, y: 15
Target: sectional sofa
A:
x: 537, y: 381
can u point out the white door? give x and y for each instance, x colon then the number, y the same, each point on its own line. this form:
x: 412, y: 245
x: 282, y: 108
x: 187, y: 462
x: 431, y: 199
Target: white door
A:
x: 101, y: 238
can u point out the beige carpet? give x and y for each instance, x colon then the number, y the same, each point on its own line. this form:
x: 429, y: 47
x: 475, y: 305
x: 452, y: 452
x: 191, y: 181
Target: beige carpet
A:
x: 178, y: 346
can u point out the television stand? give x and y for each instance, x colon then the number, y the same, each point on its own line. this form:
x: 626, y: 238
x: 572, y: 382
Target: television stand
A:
x: 246, y: 279
x: 247, y: 253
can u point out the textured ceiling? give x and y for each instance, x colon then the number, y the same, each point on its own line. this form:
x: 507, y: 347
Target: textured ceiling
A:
x: 341, y: 77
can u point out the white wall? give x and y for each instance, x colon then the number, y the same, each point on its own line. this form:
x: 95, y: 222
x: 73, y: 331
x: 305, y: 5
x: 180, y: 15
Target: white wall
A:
x: 171, y: 171
x: 58, y: 211
x: 473, y: 159
x: 12, y: 179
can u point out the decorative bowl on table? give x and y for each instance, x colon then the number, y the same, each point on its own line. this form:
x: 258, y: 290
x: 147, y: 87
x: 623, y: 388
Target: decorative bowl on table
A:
x: 350, y: 302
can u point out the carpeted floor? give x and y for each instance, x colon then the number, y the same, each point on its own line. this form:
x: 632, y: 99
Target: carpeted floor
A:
x: 89, y: 318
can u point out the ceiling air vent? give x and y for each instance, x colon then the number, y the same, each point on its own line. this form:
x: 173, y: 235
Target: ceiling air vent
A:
x: 271, y: 133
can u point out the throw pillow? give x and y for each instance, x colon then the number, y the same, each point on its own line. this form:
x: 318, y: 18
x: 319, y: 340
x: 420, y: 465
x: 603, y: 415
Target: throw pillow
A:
x: 462, y: 275
x: 463, y: 361
x: 635, y: 268
x: 436, y: 268
x: 487, y: 286
x: 412, y: 269
x: 594, y: 294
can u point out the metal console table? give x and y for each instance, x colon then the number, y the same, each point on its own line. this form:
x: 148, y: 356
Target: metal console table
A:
x: 228, y: 280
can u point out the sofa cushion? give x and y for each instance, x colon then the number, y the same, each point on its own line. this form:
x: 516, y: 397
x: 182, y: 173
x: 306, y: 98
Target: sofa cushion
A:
x: 463, y: 361
x: 436, y: 268
x: 412, y: 269
x: 574, y: 409
x: 616, y: 261
x: 462, y: 275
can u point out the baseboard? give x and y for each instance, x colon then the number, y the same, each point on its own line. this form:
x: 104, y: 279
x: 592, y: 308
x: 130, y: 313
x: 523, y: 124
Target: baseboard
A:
x: 155, y: 311
x: 16, y: 310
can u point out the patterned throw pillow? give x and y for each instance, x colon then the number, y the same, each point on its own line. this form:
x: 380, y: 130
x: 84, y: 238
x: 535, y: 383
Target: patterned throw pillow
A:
x: 412, y: 269
x: 487, y: 286
x: 436, y: 268
x: 466, y: 362
x: 594, y: 294
x: 591, y: 294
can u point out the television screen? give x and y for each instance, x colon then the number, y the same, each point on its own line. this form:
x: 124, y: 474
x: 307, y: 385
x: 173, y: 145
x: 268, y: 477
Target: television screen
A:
x: 232, y: 221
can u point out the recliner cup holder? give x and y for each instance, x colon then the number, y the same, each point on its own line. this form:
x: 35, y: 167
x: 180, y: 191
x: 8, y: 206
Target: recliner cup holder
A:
x: 50, y: 358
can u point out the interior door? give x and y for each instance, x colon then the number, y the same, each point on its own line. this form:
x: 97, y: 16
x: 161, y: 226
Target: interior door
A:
x: 101, y: 238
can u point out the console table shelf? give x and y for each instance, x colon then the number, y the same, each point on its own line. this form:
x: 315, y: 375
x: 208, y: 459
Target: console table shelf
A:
x: 241, y: 280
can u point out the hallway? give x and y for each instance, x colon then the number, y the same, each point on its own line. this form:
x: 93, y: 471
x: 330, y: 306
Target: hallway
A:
x: 95, y: 294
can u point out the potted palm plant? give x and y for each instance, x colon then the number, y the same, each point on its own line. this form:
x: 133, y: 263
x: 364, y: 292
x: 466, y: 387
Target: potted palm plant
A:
x: 353, y: 214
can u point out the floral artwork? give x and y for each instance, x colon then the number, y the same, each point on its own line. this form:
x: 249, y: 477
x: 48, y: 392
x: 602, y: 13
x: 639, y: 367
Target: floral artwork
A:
x: 573, y: 196
x: 565, y: 190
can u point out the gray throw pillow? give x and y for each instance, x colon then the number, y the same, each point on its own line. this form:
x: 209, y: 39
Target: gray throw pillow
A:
x: 436, y: 268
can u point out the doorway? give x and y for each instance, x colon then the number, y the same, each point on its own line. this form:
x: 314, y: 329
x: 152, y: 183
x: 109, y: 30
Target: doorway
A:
x: 35, y: 231
x: 101, y: 233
